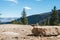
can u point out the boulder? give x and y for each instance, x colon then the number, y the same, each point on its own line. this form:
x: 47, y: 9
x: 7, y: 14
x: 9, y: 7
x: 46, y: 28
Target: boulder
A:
x: 46, y: 30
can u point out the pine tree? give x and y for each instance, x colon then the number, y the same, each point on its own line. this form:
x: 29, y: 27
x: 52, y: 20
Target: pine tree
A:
x: 14, y: 22
x: 45, y: 22
x: 54, y: 17
x: 48, y: 20
x: 24, y: 19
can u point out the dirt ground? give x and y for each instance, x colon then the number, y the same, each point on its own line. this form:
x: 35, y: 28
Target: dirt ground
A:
x: 21, y: 32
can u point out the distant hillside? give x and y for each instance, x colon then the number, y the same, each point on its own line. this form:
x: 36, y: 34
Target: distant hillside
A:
x: 39, y: 17
x: 36, y: 18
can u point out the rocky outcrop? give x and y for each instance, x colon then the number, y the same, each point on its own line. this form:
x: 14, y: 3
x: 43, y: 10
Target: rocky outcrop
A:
x: 46, y: 30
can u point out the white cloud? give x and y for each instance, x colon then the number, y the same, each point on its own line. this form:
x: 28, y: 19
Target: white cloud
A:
x: 14, y: 1
x: 27, y: 7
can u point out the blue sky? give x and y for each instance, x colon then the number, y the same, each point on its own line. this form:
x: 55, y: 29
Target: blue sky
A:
x: 13, y: 8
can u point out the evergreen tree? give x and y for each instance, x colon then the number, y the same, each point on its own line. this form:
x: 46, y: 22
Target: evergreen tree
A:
x: 54, y: 17
x: 24, y: 19
x: 48, y: 20
x: 44, y: 23
x: 14, y: 22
